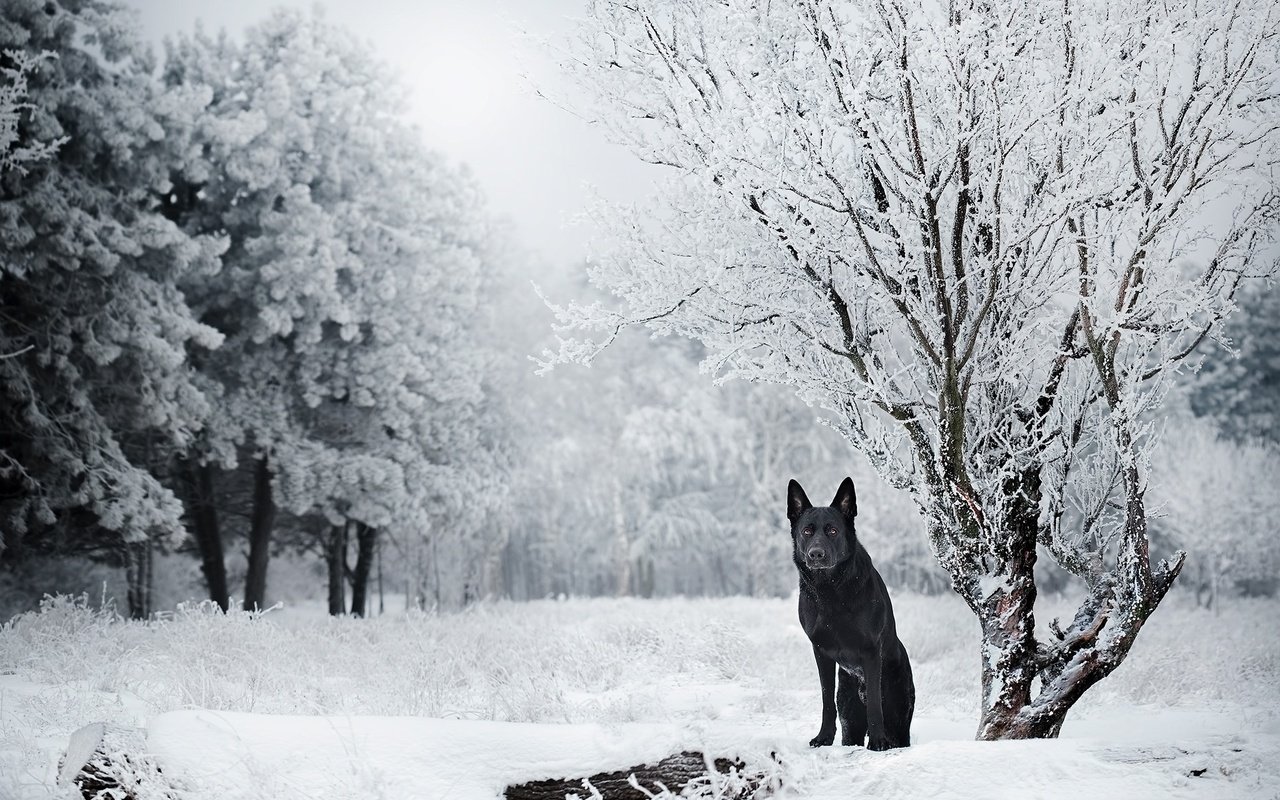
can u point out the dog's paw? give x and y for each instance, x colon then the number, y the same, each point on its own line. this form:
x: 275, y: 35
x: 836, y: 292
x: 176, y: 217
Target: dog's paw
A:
x: 853, y: 741
x: 822, y: 739
x: 878, y: 743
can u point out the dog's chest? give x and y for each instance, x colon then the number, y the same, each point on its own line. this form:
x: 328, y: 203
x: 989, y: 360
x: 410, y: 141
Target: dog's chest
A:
x: 837, y: 635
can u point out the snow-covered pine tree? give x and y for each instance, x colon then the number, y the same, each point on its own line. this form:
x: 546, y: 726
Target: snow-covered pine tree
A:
x: 1241, y: 391
x: 94, y: 331
x: 979, y: 235
x: 347, y: 292
x: 16, y: 154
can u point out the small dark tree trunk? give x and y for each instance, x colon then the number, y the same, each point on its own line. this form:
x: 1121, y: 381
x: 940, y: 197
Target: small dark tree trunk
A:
x: 137, y: 567
x: 335, y: 550
x: 203, y: 511
x: 645, y: 577
x: 366, y: 540
x: 264, y: 514
x: 382, y: 598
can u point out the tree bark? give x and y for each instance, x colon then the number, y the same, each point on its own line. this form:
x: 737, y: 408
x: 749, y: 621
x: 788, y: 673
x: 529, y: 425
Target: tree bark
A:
x: 106, y: 760
x: 382, y: 598
x: 264, y: 514
x: 137, y: 567
x: 336, y: 557
x: 1007, y: 616
x: 1097, y: 641
x: 1008, y: 652
x: 675, y: 772
x: 203, y: 511
x: 366, y: 539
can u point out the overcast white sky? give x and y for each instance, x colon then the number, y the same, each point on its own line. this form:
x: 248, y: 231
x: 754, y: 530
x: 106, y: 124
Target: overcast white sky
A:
x: 463, y: 61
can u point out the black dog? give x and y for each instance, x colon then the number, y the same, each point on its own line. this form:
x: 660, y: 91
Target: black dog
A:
x: 845, y: 610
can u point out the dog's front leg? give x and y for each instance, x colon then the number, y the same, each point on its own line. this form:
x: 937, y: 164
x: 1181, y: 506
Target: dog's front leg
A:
x: 876, y: 734
x: 876, y: 738
x: 827, y: 677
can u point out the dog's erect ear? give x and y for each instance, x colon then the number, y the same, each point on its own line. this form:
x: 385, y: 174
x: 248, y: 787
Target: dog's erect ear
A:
x: 846, y: 500
x: 797, y: 503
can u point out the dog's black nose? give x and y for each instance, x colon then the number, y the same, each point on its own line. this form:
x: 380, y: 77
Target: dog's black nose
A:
x: 817, y: 555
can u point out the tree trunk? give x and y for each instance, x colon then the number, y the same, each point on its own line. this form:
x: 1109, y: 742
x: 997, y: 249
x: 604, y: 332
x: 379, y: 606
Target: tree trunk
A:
x: 137, y: 567
x: 204, y: 518
x: 1096, y: 642
x: 382, y: 598
x: 366, y: 540
x: 621, y: 543
x: 107, y: 760
x: 336, y: 556
x: 1215, y: 587
x: 110, y: 760
x: 264, y: 514
x: 1007, y: 616
x: 645, y: 577
x: 674, y: 772
x: 1004, y: 601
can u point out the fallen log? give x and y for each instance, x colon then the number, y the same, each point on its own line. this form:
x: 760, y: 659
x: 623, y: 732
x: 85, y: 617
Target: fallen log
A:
x: 112, y: 762
x: 109, y: 762
x: 676, y: 772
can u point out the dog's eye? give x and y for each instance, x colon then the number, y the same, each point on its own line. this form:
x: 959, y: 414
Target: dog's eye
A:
x: 808, y: 531
x: 831, y: 531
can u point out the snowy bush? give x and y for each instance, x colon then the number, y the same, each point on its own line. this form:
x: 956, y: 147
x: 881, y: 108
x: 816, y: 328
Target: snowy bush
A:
x: 605, y: 661
x: 1218, y: 504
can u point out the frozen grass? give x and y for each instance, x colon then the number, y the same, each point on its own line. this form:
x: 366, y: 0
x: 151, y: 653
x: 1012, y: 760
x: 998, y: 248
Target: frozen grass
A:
x: 670, y: 661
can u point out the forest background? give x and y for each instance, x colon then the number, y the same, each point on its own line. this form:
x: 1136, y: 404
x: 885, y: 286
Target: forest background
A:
x: 261, y: 342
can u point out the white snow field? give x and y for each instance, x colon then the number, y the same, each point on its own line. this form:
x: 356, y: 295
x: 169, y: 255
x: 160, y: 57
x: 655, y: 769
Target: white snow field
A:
x: 292, y: 704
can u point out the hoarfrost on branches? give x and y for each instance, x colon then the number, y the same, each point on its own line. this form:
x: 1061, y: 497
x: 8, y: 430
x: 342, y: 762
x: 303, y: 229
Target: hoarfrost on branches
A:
x: 353, y: 275
x: 979, y: 235
x: 97, y: 395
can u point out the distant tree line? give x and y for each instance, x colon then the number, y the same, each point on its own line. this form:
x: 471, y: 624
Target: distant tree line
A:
x: 243, y: 307
x: 234, y: 279
x: 245, y: 311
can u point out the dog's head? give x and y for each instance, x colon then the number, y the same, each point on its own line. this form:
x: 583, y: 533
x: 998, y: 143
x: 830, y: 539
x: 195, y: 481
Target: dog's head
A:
x: 824, y: 537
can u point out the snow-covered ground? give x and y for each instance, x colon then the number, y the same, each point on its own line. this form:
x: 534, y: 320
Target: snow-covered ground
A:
x: 295, y: 704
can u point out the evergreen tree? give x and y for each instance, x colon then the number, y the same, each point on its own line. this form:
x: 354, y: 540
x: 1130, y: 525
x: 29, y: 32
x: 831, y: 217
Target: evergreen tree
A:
x: 95, y: 381
x: 352, y: 276
x: 1242, y: 394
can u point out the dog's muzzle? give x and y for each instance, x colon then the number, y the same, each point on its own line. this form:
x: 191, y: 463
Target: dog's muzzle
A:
x: 817, y: 559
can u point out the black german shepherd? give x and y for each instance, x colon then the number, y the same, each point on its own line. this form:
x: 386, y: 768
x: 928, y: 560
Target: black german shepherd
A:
x: 845, y: 610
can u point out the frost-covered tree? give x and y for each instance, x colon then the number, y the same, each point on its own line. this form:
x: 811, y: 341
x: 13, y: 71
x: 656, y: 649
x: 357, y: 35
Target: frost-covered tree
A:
x: 15, y: 154
x: 93, y: 328
x: 351, y: 279
x: 978, y: 234
x: 634, y: 477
